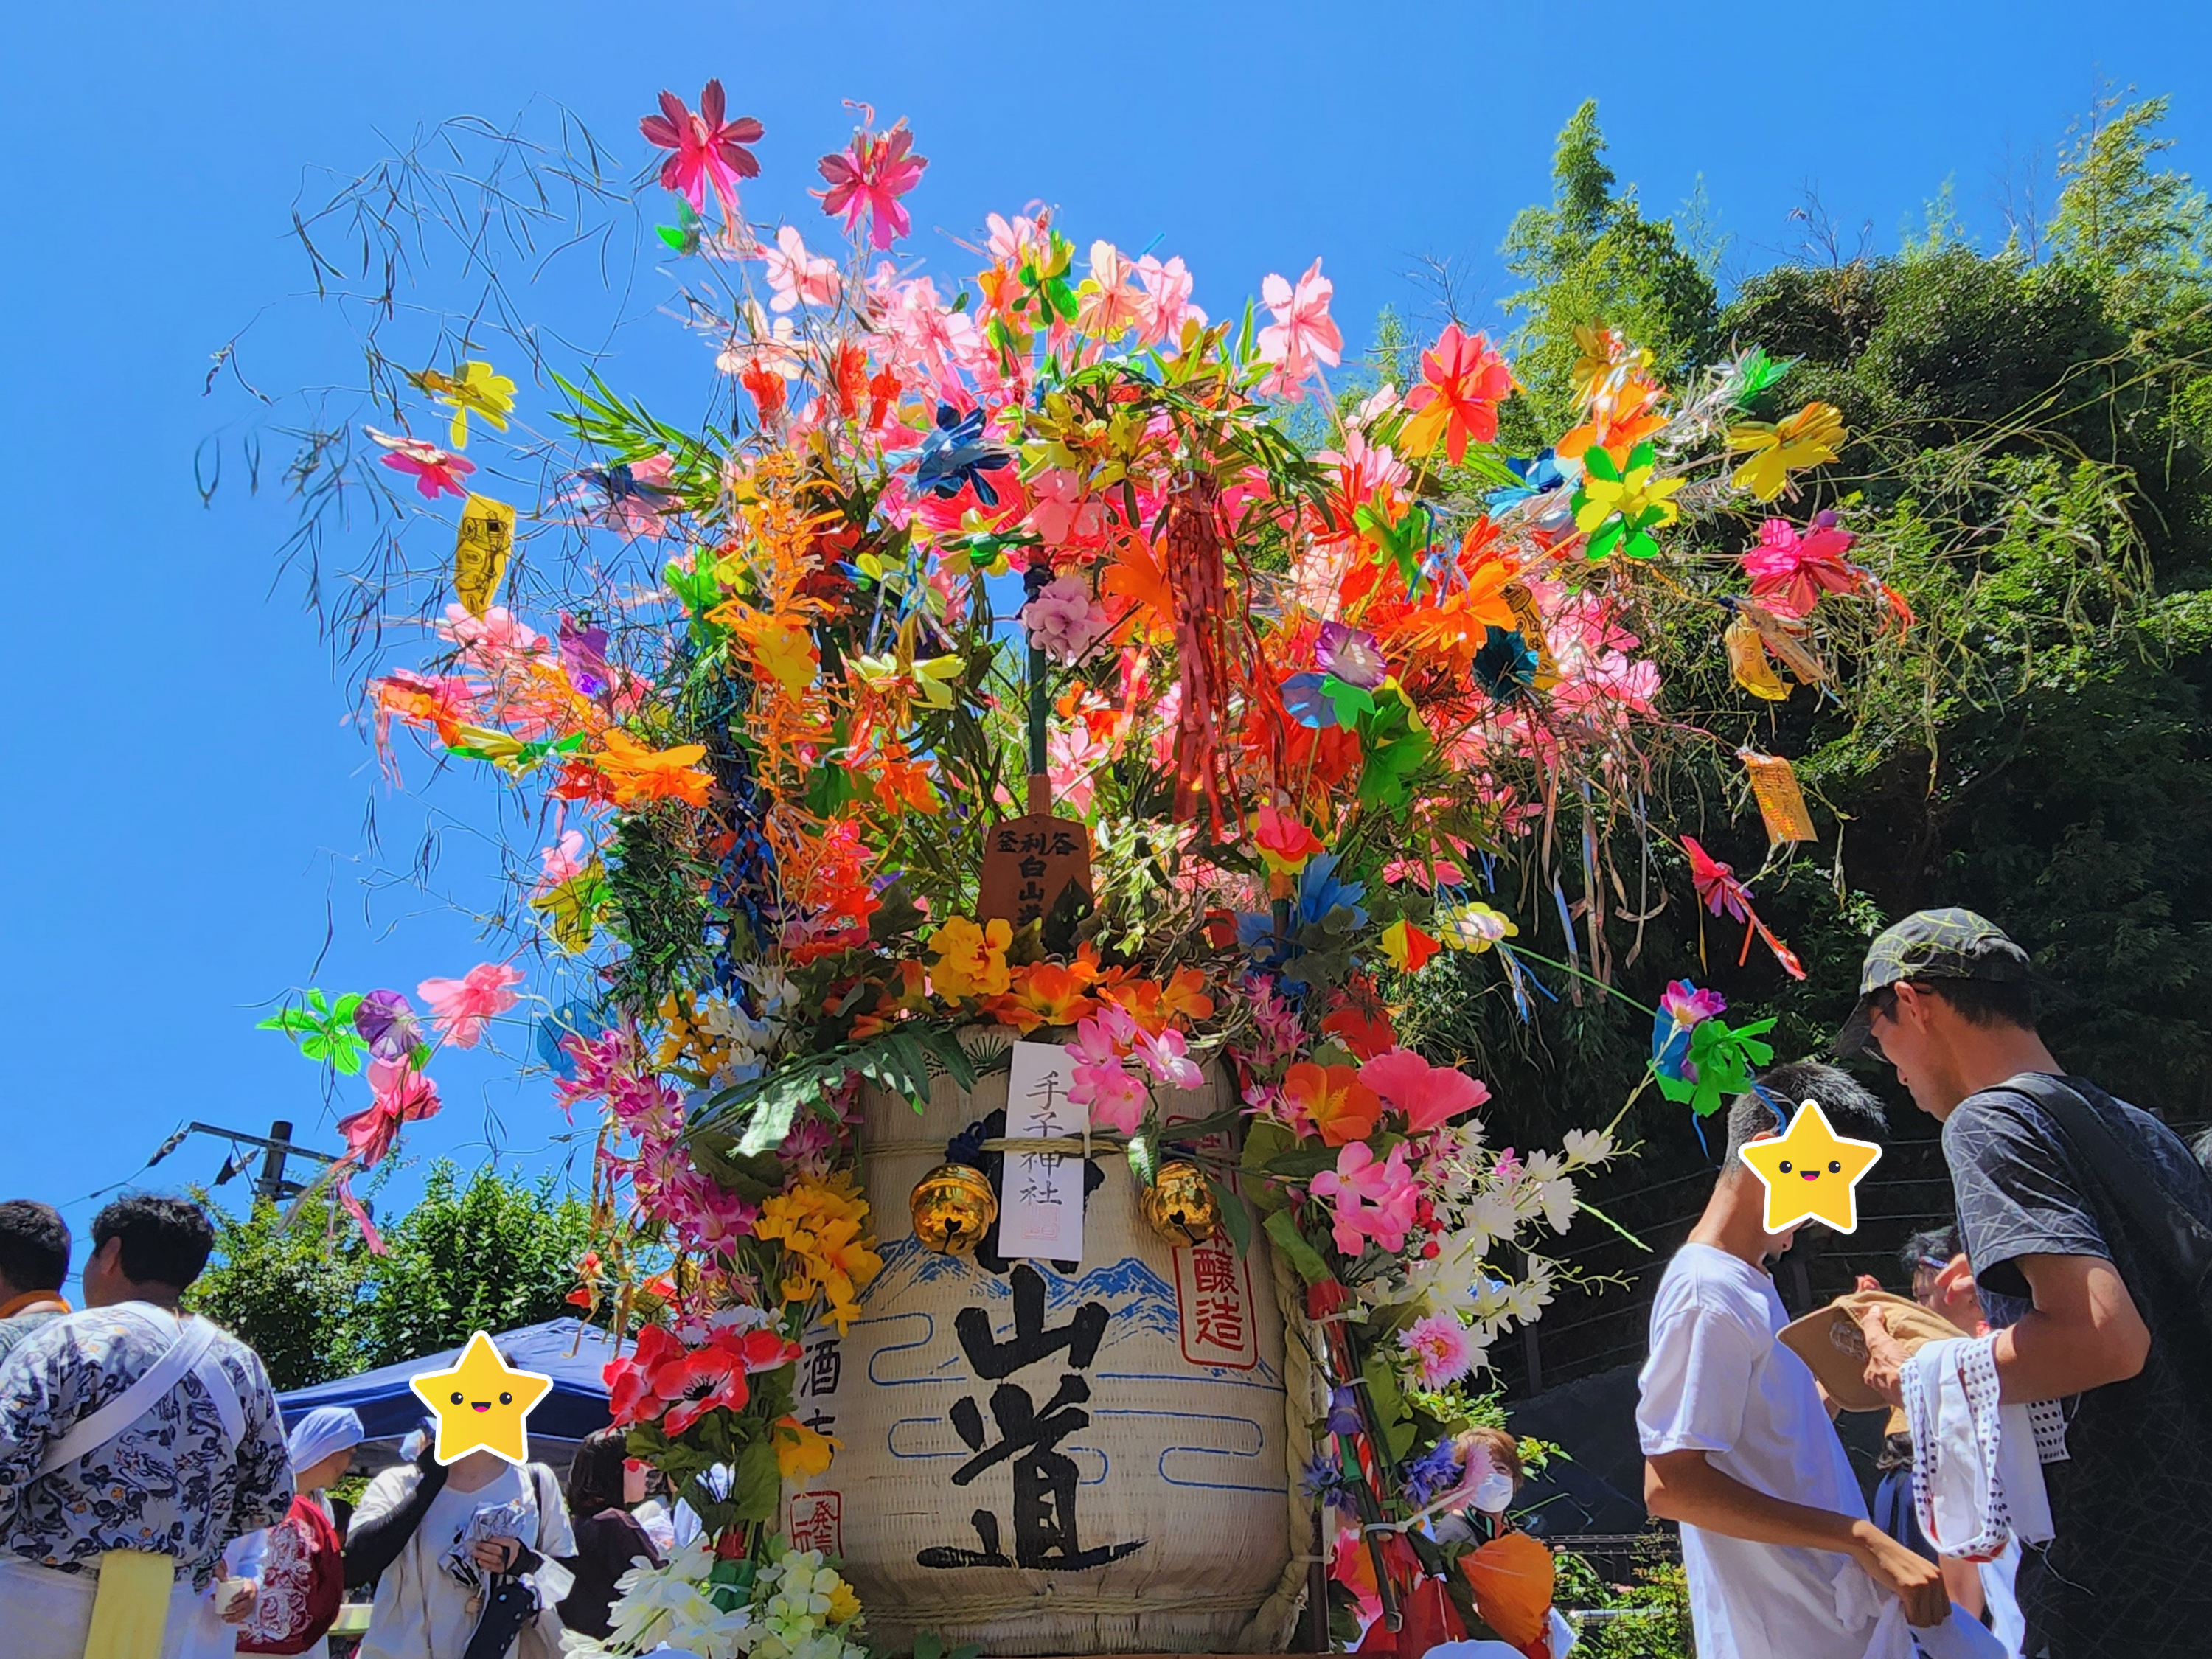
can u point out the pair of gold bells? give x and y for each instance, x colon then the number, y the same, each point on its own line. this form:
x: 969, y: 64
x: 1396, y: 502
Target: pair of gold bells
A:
x: 954, y: 1207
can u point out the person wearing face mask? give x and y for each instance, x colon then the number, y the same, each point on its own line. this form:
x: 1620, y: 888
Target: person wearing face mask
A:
x: 1508, y: 1573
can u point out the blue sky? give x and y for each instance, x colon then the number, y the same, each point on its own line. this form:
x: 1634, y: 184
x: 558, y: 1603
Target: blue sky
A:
x: 185, y: 804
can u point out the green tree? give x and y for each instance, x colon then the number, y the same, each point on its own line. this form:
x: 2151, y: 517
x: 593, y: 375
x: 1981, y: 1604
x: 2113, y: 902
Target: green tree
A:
x: 1590, y: 257
x: 291, y: 1294
x: 317, y: 1304
x: 487, y: 1257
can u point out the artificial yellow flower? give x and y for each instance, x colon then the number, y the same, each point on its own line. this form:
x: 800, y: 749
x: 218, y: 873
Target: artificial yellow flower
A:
x: 970, y: 961
x: 1777, y: 448
x: 1640, y: 498
x: 785, y: 651
x: 844, y: 1604
x: 1473, y: 927
x: 476, y: 387
x: 1599, y: 351
x: 801, y: 1452
x: 822, y: 1225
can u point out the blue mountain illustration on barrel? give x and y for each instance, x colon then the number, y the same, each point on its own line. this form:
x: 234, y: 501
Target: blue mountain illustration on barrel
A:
x: 1138, y: 1302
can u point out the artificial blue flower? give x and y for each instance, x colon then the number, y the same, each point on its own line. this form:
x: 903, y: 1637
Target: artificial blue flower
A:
x: 955, y: 455
x: 1321, y: 892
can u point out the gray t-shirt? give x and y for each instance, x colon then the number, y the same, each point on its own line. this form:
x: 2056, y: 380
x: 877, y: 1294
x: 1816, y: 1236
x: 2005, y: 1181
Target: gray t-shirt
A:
x: 2128, y: 1572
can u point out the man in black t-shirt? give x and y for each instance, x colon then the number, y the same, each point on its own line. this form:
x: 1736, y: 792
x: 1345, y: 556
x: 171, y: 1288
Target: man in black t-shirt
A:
x: 2089, y: 1309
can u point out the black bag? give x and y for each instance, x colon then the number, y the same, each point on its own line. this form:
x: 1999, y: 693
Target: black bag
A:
x: 2181, y: 1243
x: 508, y: 1605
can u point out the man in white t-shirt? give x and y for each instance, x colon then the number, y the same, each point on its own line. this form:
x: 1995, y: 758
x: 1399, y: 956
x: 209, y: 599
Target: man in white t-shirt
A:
x: 1738, y: 1442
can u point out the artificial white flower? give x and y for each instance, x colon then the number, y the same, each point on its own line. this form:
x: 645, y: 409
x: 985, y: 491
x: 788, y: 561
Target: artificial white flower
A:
x: 1587, y: 1147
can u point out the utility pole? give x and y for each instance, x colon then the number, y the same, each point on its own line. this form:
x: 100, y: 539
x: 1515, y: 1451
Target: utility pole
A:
x: 277, y: 1146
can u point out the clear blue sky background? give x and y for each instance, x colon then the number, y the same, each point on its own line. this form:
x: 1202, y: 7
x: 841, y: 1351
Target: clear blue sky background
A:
x: 183, y: 805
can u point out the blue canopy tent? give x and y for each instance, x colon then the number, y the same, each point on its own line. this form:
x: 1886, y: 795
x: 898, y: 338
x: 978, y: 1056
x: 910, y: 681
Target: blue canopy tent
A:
x: 572, y: 1353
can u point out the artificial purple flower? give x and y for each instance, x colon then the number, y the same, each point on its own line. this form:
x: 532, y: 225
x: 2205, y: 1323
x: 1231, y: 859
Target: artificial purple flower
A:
x: 584, y: 655
x: 1435, y: 1471
x: 1343, y: 1412
x: 1351, y: 655
x: 386, y: 1022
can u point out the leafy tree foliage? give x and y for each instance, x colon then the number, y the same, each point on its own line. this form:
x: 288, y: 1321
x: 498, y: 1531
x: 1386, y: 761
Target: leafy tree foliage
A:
x: 316, y: 1303
x: 2031, y: 463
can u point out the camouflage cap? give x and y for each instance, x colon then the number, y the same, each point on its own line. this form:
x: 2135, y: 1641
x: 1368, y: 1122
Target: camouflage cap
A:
x: 1930, y: 944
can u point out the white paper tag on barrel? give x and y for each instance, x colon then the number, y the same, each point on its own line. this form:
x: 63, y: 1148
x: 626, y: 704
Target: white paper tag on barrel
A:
x: 1041, y: 1206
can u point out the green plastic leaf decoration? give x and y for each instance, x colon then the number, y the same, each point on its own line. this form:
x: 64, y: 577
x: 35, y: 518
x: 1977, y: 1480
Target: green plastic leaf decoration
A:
x: 323, y: 1029
x: 1724, y: 1061
x: 1236, y: 1219
x: 902, y: 1060
x: 1284, y: 1231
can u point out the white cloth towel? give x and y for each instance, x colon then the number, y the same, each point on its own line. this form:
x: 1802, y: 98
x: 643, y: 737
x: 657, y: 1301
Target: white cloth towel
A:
x: 1976, y: 1482
x: 1957, y: 1638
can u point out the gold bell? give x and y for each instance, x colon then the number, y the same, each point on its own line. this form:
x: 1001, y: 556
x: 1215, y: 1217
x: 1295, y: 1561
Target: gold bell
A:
x: 1180, y: 1206
x: 953, y: 1207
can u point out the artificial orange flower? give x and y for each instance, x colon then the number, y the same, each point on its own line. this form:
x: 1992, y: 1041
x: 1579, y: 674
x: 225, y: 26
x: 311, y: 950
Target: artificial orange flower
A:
x: 901, y: 783
x: 1458, y: 626
x: 639, y: 775
x: 1156, y: 1007
x: 1138, y: 576
x: 1621, y: 416
x: 1046, y: 993
x: 1341, y: 1108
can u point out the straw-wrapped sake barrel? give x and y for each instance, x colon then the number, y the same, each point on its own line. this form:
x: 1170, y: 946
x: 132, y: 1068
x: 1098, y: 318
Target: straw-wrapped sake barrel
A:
x: 1049, y: 1463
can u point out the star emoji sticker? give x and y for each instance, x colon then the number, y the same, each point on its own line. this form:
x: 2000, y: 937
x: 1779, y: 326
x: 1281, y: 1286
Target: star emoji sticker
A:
x: 1811, y: 1173
x: 481, y: 1402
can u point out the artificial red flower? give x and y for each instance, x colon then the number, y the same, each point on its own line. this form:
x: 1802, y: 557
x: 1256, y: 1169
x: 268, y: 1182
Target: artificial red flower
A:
x: 1463, y: 380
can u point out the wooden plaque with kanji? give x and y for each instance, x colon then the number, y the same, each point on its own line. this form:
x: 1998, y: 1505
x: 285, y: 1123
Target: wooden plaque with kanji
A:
x: 1029, y: 862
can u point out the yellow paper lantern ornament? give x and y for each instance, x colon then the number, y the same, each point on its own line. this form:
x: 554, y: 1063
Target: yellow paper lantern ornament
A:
x: 1180, y: 1206
x: 953, y: 1207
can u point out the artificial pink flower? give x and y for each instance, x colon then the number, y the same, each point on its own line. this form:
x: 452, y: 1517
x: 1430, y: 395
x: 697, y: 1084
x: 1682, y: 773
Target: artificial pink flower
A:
x: 1061, y: 514
x: 1013, y: 243
x: 1064, y: 621
x: 1115, y: 1100
x: 436, y: 471
x: 1439, y: 1349
x: 1462, y: 382
x: 1429, y: 1096
x: 1789, y: 572
x: 1303, y: 331
x: 1369, y: 1200
x: 460, y: 1008
x: 799, y: 277
x: 1686, y: 1005
x: 562, y: 861
x: 493, y: 642
x: 1166, y: 305
x: 708, y: 150
x: 869, y: 177
x: 1166, y: 1058
x: 400, y: 1095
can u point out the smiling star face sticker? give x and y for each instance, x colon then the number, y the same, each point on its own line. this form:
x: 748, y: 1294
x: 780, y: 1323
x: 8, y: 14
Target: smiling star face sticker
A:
x: 481, y: 1403
x: 1811, y: 1173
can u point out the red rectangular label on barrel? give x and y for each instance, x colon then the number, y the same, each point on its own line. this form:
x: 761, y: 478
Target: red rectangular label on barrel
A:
x: 816, y: 1523
x: 1213, y: 1298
